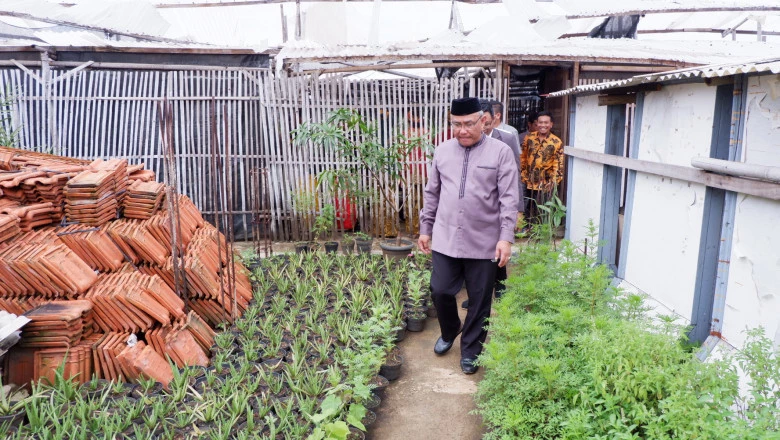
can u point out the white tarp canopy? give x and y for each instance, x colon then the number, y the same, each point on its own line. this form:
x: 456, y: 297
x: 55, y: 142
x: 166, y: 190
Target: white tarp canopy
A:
x: 257, y: 24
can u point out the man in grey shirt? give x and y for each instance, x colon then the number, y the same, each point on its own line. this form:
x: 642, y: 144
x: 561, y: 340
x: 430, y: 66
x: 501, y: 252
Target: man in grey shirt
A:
x: 468, y: 222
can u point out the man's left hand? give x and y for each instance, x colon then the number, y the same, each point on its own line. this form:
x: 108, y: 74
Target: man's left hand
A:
x: 503, y: 252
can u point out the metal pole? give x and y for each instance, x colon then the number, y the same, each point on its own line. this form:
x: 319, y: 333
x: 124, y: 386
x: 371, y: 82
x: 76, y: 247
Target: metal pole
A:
x: 216, y: 200
x: 231, y: 264
x: 170, y: 187
x: 46, y: 74
x: 268, y: 242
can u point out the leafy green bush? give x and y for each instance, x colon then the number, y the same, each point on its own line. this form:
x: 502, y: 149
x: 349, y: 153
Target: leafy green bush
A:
x: 570, y: 357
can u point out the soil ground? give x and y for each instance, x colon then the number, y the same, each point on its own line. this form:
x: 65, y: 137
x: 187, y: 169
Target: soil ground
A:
x: 432, y: 399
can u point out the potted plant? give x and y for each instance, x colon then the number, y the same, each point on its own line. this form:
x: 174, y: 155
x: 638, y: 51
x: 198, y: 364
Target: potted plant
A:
x: 250, y: 259
x: 304, y: 202
x: 347, y: 243
x: 363, y: 242
x: 415, y: 321
x: 351, y: 136
x: 12, y: 404
x: 324, y: 225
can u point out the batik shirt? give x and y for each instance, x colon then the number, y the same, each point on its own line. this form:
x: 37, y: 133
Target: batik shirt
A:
x: 541, y: 161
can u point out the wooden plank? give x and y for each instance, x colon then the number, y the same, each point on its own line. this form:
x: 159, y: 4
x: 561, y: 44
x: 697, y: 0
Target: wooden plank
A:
x: 767, y: 190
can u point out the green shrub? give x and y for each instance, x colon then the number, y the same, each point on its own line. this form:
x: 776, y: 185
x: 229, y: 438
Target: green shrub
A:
x: 571, y: 357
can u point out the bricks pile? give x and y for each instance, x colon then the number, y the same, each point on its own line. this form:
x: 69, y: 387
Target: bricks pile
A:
x: 86, y: 253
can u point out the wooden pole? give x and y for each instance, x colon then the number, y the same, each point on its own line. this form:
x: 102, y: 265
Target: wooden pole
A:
x: 738, y: 169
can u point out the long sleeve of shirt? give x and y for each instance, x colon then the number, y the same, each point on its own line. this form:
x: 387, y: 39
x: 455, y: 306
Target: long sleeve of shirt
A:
x: 470, y: 201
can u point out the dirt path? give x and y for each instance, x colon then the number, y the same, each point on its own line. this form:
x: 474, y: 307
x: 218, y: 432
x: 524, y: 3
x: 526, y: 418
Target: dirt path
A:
x: 432, y: 399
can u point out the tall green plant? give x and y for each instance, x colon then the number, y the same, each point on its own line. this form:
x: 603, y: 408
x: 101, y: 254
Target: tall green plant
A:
x: 325, y: 223
x: 355, y: 139
x: 571, y: 357
x: 8, y: 138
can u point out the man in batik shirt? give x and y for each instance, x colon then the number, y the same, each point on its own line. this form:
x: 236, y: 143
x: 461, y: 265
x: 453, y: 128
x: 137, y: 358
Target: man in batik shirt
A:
x: 541, y: 165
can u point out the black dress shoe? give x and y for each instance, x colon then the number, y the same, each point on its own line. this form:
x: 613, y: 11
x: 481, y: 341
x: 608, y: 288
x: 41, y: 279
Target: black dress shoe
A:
x: 465, y: 305
x: 442, y: 346
x: 468, y: 366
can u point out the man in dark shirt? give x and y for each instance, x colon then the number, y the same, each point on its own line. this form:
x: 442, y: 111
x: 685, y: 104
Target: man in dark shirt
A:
x: 530, y: 127
x: 468, y: 223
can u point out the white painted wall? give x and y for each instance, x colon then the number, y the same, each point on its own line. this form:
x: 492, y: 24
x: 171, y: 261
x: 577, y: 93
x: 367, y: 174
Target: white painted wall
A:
x: 666, y: 222
x: 590, y: 128
x: 761, y: 142
x: 677, y: 124
x: 753, y: 293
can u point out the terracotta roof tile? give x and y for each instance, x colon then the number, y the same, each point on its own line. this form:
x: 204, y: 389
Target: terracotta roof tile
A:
x: 133, y: 294
x: 186, y: 349
x: 143, y: 199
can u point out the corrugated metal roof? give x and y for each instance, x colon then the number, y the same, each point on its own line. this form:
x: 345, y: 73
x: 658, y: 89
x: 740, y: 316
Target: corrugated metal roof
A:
x: 710, y: 71
x: 581, y: 49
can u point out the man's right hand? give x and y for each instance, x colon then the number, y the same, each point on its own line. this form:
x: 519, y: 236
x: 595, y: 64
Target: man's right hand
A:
x: 424, y: 244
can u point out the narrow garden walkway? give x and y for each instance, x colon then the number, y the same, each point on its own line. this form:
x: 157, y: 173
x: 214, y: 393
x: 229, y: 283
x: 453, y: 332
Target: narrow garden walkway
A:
x: 432, y: 399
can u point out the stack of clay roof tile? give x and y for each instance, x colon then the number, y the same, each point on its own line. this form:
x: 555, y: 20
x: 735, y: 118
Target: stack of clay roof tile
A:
x: 133, y: 302
x: 11, y: 183
x: 151, y: 240
x: 94, y: 246
x: 141, y: 360
x: 93, y: 196
x: 137, y: 173
x: 104, y: 355
x: 39, y: 263
x: 60, y: 331
x: 42, y: 183
x: 21, y: 305
x: 187, y: 342
x: 138, y: 241
x: 34, y: 215
x: 49, y: 188
x: 14, y: 159
x: 58, y: 324
x: 9, y: 227
x: 122, y: 268
x: 210, y: 296
x: 143, y: 199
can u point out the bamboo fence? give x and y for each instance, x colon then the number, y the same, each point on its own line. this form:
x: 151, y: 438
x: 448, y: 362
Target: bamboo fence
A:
x: 93, y: 114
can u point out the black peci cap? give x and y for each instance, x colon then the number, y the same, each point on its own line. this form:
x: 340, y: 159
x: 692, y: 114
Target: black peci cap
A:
x: 465, y: 106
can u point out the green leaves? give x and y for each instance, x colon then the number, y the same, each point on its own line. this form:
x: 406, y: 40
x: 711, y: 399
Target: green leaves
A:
x: 331, y: 431
x: 329, y: 408
x: 571, y: 357
x: 358, y: 144
x: 355, y: 416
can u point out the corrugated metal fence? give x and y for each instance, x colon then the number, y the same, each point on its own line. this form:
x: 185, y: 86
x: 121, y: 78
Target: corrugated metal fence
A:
x: 115, y: 113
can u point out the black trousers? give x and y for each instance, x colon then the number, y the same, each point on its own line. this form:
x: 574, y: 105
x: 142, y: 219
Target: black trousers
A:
x: 446, y: 280
x: 501, y: 276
